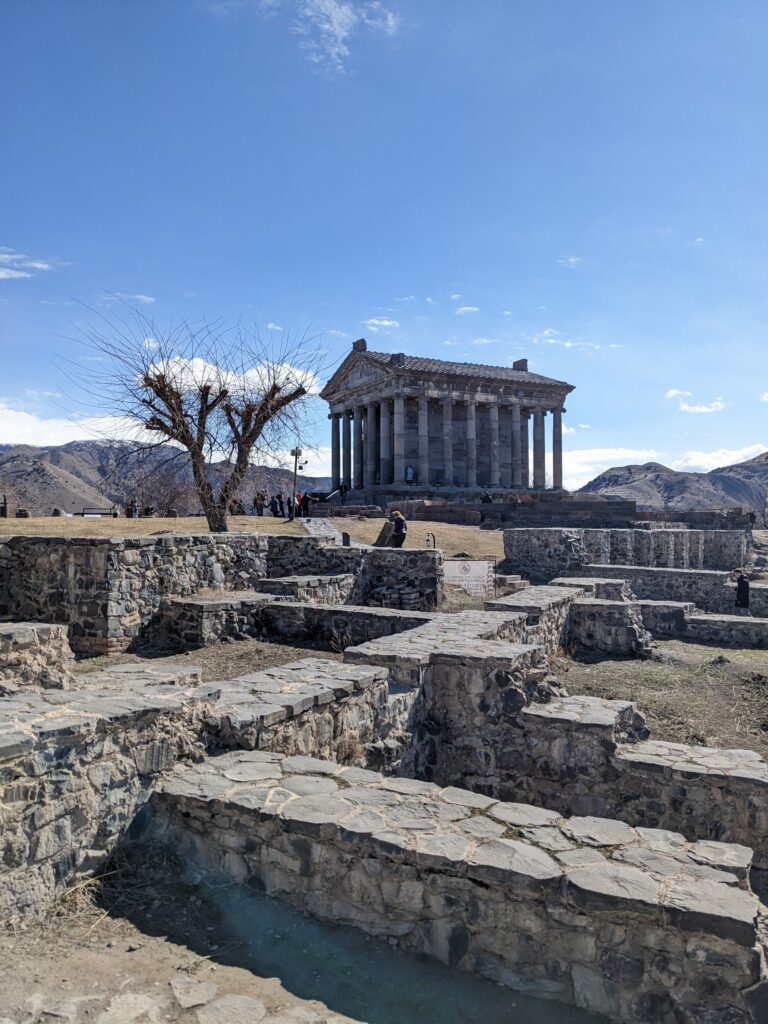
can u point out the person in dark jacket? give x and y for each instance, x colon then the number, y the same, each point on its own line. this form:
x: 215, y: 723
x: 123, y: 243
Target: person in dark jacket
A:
x: 742, y: 592
x: 343, y: 493
x: 486, y: 498
x: 399, y: 531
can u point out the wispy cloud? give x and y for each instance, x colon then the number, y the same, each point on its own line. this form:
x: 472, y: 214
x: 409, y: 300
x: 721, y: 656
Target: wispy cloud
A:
x: 337, y: 334
x: 704, y: 462
x: 325, y: 27
x: 463, y: 310
x: 451, y: 342
x: 550, y: 336
x: 430, y: 301
x: 764, y: 396
x: 485, y: 341
x: 717, y: 405
x: 376, y: 324
x: 274, y: 327
x: 15, y: 266
x: 144, y: 300
x: 456, y: 296
x: 570, y: 262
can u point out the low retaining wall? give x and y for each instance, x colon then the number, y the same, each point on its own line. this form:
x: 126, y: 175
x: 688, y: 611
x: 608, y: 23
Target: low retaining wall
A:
x: 108, y: 589
x: 73, y: 776
x: 543, y: 553
x: 623, y: 922
x: 708, y: 590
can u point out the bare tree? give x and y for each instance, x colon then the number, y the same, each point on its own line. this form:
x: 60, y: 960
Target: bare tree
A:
x: 219, y: 393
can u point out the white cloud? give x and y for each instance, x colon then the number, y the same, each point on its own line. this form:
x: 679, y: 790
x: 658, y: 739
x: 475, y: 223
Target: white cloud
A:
x: 451, y: 342
x: 20, y: 427
x: 150, y: 344
x: 568, y: 430
x: 764, y: 396
x: 15, y: 266
x: 338, y: 334
x: 144, y: 300
x: 274, y: 327
x: 405, y: 298
x: 430, y: 301
x: 485, y: 341
x: 376, y: 324
x: 463, y: 310
x: 585, y: 426
x: 698, y: 241
x: 456, y: 296
x: 506, y: 312
x: 703, y: 462
x: 571, y: 262
x: 677, y: 393
x: 581, y: 466
x: 715, y: 406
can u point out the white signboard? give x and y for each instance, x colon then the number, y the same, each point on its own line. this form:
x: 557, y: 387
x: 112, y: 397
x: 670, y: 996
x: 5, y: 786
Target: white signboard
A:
x: 475, y: 575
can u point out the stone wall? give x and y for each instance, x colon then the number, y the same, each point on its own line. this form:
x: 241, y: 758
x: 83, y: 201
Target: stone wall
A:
x: 73, y: 776
x: 633, y: 924
x: 611, y: 627
x: 710, y: 591
x: 540, y: 554
x: 108, y: 589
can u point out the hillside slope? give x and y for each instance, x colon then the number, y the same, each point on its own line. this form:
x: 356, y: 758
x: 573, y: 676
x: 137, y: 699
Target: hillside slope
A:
x: 654, y: 486
x: 95, y: 473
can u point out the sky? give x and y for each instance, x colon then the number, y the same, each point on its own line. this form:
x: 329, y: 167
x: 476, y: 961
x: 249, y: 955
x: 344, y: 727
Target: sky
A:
x: 582, y: 182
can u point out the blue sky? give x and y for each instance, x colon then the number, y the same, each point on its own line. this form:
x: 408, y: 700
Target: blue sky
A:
x: 579, y: 181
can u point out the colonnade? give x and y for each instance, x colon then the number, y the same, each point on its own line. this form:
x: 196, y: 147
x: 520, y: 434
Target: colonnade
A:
x: 368, y: 444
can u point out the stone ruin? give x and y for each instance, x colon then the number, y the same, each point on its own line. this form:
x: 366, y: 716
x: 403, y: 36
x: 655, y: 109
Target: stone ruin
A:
x: 438, y: 787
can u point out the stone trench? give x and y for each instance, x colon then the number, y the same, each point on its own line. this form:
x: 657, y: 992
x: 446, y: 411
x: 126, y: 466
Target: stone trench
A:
x: 539, y: 840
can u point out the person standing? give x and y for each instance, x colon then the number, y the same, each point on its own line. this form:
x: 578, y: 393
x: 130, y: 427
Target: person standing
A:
x: 274, y: 506
x: 742, y: 592
x: 399, y: 531
x: 281, y: 504
x: 343, y: 492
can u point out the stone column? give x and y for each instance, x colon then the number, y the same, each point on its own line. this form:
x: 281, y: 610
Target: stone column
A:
x: 358, y: 481
x: 494, y: 416
x: 557, y: 449
x: 517, y: 455
x: 471, y: 444
x: 347, y: 449
x: 370, y: 445
x: 448, y: 441
x: 539, y: 470
x: 335, y: 452
x: 399, y: 439
x: 524, y: 449
x: 423, y: 440
x: 385, y: 443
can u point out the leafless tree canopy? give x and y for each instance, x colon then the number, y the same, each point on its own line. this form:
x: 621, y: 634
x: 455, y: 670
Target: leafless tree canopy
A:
x: 217, y: 393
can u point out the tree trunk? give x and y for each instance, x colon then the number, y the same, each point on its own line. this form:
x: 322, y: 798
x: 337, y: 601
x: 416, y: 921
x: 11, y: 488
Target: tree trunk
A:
x: 216, y: 514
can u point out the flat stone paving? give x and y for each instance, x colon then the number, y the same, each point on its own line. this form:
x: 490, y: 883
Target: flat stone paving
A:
x: 265, y: 698
x: 692, y: 761
x: 703, y: 885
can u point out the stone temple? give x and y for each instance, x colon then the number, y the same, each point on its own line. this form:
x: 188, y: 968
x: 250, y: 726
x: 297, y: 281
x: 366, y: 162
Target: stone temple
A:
x: 407, y: 426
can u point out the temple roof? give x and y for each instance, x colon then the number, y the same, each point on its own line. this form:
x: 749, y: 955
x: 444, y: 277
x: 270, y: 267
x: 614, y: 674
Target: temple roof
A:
x: 395, y: 363
x: 424, y: 365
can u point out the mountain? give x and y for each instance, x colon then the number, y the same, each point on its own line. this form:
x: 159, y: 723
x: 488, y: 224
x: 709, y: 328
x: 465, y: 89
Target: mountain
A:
x: 97, y: 473
x: 654, y: 486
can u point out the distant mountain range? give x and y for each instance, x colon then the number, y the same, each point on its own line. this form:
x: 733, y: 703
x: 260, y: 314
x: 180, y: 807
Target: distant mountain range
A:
x: 654, y: 486
x: 85, y: 474
x: 97, y: 473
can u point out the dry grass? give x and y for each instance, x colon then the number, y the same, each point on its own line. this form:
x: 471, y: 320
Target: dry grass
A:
x: 689, y: 693
x: 450, y: 539
x: 77, y: 526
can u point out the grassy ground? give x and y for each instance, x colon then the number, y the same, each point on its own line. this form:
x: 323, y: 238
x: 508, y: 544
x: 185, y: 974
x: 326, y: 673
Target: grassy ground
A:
x: 451, y: 539
x: 689, y: 693
x: 77, y: 526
